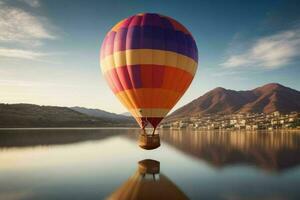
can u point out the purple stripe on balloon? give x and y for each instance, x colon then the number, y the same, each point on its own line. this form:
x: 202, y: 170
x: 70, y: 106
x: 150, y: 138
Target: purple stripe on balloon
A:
x: 129, y: 76
x: 134, y: 72
x: 166, y: 23
x: 150, y: 19
x: 150, y: 37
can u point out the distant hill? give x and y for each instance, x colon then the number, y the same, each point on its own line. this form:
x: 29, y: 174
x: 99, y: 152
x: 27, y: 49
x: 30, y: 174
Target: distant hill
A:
x: 102, y: 114
x: 30, y: 115
x: 128, y: 114
x: 266, y: 99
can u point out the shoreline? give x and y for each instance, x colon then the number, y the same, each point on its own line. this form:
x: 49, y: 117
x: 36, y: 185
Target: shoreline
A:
x: 66, y: 128
x: 137, y: 128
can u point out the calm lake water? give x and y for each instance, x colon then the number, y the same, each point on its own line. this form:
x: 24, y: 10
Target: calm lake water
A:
x: 107, y: 163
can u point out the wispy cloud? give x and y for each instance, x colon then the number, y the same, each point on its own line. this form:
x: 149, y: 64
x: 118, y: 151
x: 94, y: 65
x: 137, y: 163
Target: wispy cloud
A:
x: 224, y: 73
x: 18, y: 25
x: 37, y: 84
x: 20, y: 28
x: 269, y: 52
x: 21, y: 54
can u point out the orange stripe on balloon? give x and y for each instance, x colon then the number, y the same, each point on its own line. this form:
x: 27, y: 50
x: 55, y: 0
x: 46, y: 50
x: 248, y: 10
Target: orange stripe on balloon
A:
x: 143, y: 97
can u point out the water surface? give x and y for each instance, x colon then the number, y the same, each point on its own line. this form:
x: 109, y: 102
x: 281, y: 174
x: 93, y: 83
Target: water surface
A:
x: 104, y: 163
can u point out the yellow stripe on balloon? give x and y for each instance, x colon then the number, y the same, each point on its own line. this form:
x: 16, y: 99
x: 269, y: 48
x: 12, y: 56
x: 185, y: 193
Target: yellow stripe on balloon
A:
x: 149, y: 112
x: 148, y: 56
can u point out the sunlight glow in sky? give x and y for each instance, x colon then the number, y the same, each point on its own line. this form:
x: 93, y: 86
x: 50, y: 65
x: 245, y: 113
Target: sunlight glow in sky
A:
x: 49, y: 50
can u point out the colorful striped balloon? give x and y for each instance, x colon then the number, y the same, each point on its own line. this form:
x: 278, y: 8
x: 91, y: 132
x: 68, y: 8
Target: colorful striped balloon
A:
x: 149, y: 61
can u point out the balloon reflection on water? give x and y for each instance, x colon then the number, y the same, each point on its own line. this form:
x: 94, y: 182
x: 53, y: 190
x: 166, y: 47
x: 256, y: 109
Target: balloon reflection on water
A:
x: 148, y: 183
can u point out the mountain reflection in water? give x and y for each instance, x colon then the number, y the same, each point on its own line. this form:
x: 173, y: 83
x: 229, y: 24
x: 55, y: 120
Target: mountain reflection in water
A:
x: 97, y: 163
x: 275, y: 151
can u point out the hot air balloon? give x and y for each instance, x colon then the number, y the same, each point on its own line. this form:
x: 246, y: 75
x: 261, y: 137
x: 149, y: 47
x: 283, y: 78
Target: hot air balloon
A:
x: 149, y: 61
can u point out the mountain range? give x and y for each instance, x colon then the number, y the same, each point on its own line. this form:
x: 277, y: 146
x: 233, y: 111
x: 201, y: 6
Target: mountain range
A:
x: 30, y: 115
x: 102, y: 114
x: 265, y: 99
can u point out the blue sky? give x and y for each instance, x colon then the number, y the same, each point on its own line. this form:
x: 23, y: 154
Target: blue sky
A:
x: 49, y: 50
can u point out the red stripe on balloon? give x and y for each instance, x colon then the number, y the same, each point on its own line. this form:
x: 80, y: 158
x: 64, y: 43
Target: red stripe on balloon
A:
x: 148, y: 76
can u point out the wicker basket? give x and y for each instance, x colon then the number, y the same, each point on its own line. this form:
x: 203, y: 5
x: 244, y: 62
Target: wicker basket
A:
x: 149, y: 142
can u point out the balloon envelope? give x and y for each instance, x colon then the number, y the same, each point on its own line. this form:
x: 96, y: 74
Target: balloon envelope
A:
x: 149, y: 61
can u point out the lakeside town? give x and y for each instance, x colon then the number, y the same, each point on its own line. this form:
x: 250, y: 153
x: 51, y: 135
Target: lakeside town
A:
x: 239, y: 121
